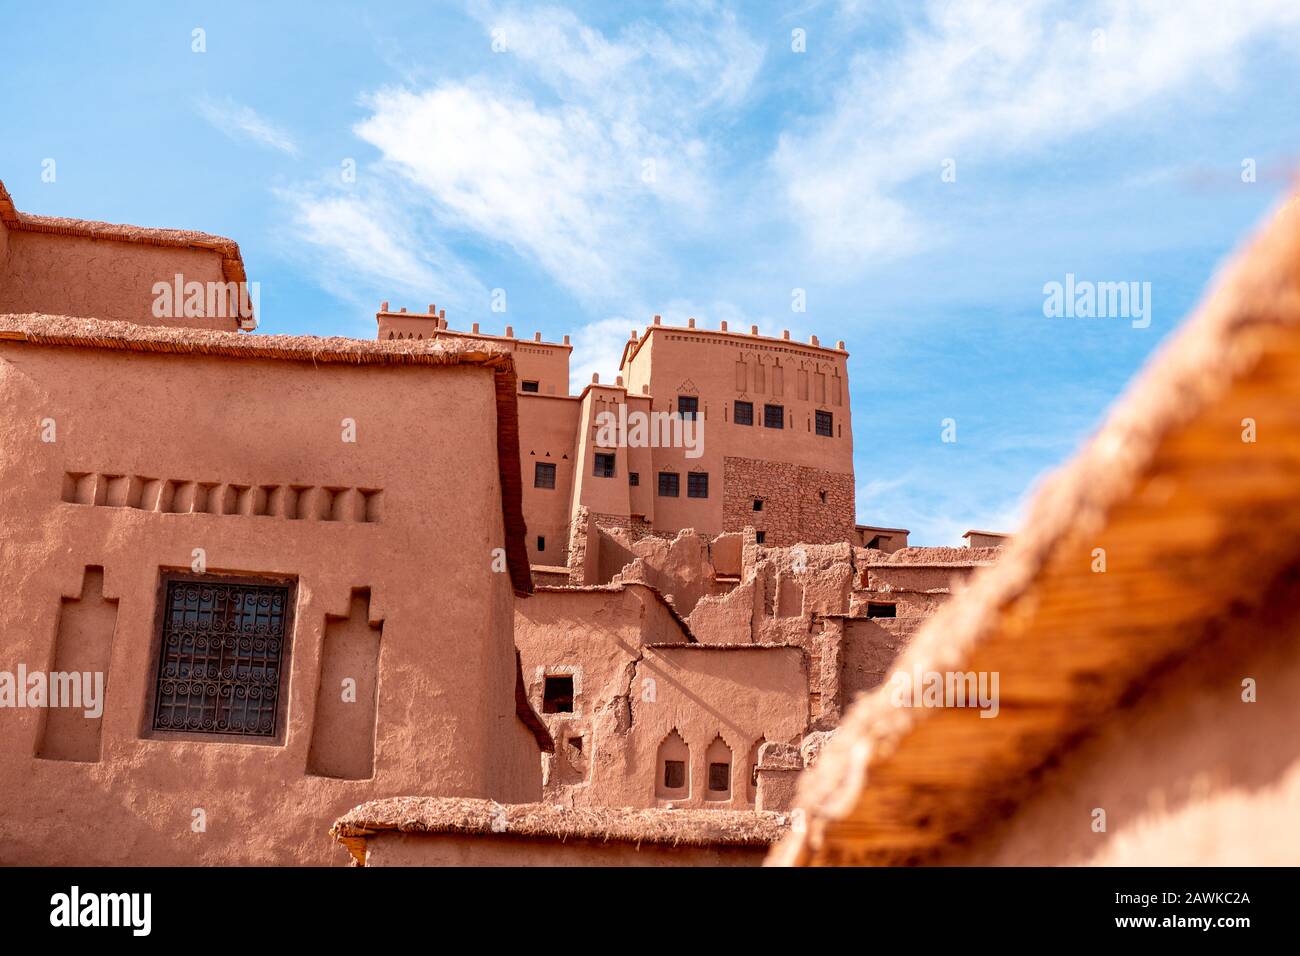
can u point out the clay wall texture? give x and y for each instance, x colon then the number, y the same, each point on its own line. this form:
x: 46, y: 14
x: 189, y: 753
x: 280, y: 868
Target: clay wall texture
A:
x: 445, y: 719
x: 90, y: 278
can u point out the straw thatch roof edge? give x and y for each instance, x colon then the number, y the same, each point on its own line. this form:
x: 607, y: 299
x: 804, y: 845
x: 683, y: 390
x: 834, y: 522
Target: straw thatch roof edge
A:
x: 468, y: 816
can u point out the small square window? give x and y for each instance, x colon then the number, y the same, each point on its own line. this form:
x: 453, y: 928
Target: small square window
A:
x: 604, y: 467
x: 719, y: 777
x: 744, y: 414
x: 825, y: 424
x: 541, y: 543
x: 634, y: 478
x: 760, y: 537
x: 688, y: 406
x: 543, y: 475
x: 674, y: 774
x: 774, y: 416
x: 881, y: 609
x: 531, y: 386
x: 697, y: 484
x: 669, y: 484
x: 557, y: 694
x: 758, y: 504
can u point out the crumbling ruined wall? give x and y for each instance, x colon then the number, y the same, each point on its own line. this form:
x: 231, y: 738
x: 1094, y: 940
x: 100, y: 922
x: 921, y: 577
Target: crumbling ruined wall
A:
x: 759, y: 610
x: 679, y: 568
x: 869, y: 651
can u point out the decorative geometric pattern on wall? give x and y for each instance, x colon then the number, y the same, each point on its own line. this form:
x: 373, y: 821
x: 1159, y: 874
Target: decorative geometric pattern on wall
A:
x: 178, y: 496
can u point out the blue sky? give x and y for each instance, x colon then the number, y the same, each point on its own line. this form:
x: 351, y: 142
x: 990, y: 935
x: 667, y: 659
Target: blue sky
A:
x: 603, y: 162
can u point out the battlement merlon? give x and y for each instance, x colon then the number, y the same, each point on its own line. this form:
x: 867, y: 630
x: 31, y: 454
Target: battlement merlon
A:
x: 402, y: 324
x: 635, y: 342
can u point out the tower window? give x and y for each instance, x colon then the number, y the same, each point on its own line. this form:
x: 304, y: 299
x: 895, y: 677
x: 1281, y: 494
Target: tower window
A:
x: 557, y: 694
x: 543, y: 475
x: 774, y: 416
x: 760, y: 537
x: 604, y: 466
x: 825, y: 424
x: 719, y: 777
x: 744, y: 414
x: 688, y: 406
x: 541, y: 543
x: 697, y: 484
x: 758, y: 504
x: 881, y: 609
x: 669, y: 484
x: 530, y: 386
x: 634, y: 479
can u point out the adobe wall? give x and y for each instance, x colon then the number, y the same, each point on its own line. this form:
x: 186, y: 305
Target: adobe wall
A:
x: 546, y: 363
x: 869, y: 651
x: 629, y: 696
x: 1189, y: 774
x: 103, y: 279
x: 594, y: 635
x: 793, y: 510
x: 746, y: 696
x: 390, y: 848
x: 186, y: 433
x: 547, y: 432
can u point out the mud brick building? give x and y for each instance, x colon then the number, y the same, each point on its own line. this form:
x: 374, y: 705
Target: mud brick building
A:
x: 777, y: 450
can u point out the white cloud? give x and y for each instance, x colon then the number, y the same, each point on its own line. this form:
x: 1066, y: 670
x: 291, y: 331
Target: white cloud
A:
x: 987, y: 78
x: 243, y: 122
x: 597, y: 347
x: 367, y: 247
x: 583, y: 175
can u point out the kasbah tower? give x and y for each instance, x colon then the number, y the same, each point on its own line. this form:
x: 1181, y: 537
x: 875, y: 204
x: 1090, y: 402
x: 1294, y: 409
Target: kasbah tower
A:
x: 777, y: 453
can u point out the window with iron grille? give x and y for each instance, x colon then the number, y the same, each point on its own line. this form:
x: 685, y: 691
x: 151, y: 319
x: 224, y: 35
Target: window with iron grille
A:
x: 669, y: 484
x: 719, y: 777
x: 543, y: 475
x: 224, y: 648
x: 774, y: 416
x: 688, y: 406
x: 531, y: 386
x: 825, y: 424
x: 697, y: 484
x: 633, y: 478
x: 604, y: 467
x: 744, y: 414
